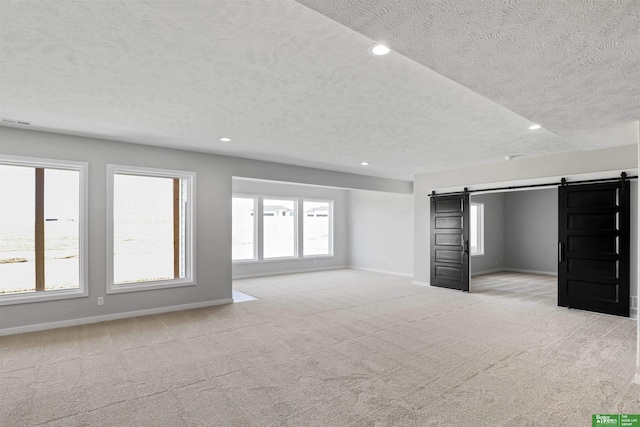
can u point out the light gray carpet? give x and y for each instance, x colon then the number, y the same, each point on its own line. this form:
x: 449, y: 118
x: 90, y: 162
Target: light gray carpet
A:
x: 335, y: 348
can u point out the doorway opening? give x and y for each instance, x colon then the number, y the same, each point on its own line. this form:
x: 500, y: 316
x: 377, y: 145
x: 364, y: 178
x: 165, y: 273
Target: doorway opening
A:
x: 517, y: 250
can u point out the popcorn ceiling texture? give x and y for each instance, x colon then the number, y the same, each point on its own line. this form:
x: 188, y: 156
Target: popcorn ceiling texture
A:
x: 572, y: 66
x: 289, y: 84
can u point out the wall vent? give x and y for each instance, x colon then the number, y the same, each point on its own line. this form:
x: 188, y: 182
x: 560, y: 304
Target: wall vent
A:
x: 15, y: 122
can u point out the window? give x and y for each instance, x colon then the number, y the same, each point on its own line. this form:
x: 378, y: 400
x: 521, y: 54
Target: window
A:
x: 476, y: 228
x: 150, y: 228
x: 243, y: 224
x: 42, y: 229
x: 279, y: 228
x: 317, y: 228
x: 273, y: 228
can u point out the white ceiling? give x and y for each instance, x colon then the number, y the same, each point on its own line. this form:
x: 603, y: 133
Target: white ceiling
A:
x: 289, y: 84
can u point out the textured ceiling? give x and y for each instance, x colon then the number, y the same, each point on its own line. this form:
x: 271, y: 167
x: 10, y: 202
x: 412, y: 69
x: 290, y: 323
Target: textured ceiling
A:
x: 572, y: 66
x: 289, y: 84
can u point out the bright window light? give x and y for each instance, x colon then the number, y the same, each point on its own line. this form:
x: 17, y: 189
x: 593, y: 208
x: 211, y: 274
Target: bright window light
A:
x: 279, y: 228
x: 42, y: 230
x: 143, y: 249
x: 317, y: 230
x: 476, y: 228
x: 243, y: 225
x: 151, y: 229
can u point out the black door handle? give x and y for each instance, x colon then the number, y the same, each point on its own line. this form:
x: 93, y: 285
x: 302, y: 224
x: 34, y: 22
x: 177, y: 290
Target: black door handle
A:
x: 466, y: 247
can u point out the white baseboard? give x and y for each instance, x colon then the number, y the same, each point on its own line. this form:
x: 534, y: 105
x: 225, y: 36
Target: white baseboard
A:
x: 519, y: 270
x: 483, y: 272
x: 107, y: 317
x: 513, y: 270
x: 417, y: 282
x: 279, y: 273
x: 374, y: 270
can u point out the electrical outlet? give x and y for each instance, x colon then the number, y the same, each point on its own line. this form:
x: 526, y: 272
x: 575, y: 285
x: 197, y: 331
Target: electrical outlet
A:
x: 100, y: 300
x: 390, y: 263
x: 315, y: 261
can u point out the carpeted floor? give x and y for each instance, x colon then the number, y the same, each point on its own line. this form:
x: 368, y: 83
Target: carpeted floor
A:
x: 337, y: 348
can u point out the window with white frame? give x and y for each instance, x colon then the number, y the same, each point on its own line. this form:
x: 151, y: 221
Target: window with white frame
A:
x: 317, y: 227
x: 43, y: 229
x: 151, y: 228
x: 279, y: 229
x: 476, y: 228
x: 270, y: 228
x: 243, y: 225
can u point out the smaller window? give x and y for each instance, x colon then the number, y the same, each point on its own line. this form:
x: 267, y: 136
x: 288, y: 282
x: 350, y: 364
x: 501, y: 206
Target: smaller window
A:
x: 476, y: 228
x: 279, y: 228
x: 317, y: 230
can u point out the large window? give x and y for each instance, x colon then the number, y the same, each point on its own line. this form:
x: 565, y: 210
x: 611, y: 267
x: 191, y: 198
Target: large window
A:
x: 273, y: 228
x: 42, y: 229
x: 317, y: 228
x: 151, y: 228
x: 243, y: 224
x: 476, y: 228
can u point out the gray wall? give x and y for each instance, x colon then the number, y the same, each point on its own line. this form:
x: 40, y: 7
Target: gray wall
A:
x: 597, y: 163
x: 381, y: 232
x: 521, y: 232
x: 494, y: 257
x: 270, y: 188
x: 543, y: 168
x: 213, y: 218
x: 531, y: 230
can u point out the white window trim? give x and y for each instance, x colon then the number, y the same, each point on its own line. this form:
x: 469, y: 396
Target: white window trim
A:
x: 299, y: 230
x: 480, y: 227
x: 316, y: 256
x: 83, y: 290
x: 190, y: 252
x: 255, y: 227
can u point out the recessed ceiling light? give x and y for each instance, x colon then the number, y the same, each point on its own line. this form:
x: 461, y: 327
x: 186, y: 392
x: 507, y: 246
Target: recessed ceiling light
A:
x: 365, y: 163
x: 378, y: 49
x: 534, y: 127
x: 225, y: 139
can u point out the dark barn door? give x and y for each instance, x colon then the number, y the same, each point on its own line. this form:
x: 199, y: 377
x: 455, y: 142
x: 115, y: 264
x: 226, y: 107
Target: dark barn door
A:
x: 450, y: 242
x: 593, y: 247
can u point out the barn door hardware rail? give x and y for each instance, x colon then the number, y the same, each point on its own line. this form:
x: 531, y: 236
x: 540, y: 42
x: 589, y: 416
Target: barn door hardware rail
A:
x: 623, y: 179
